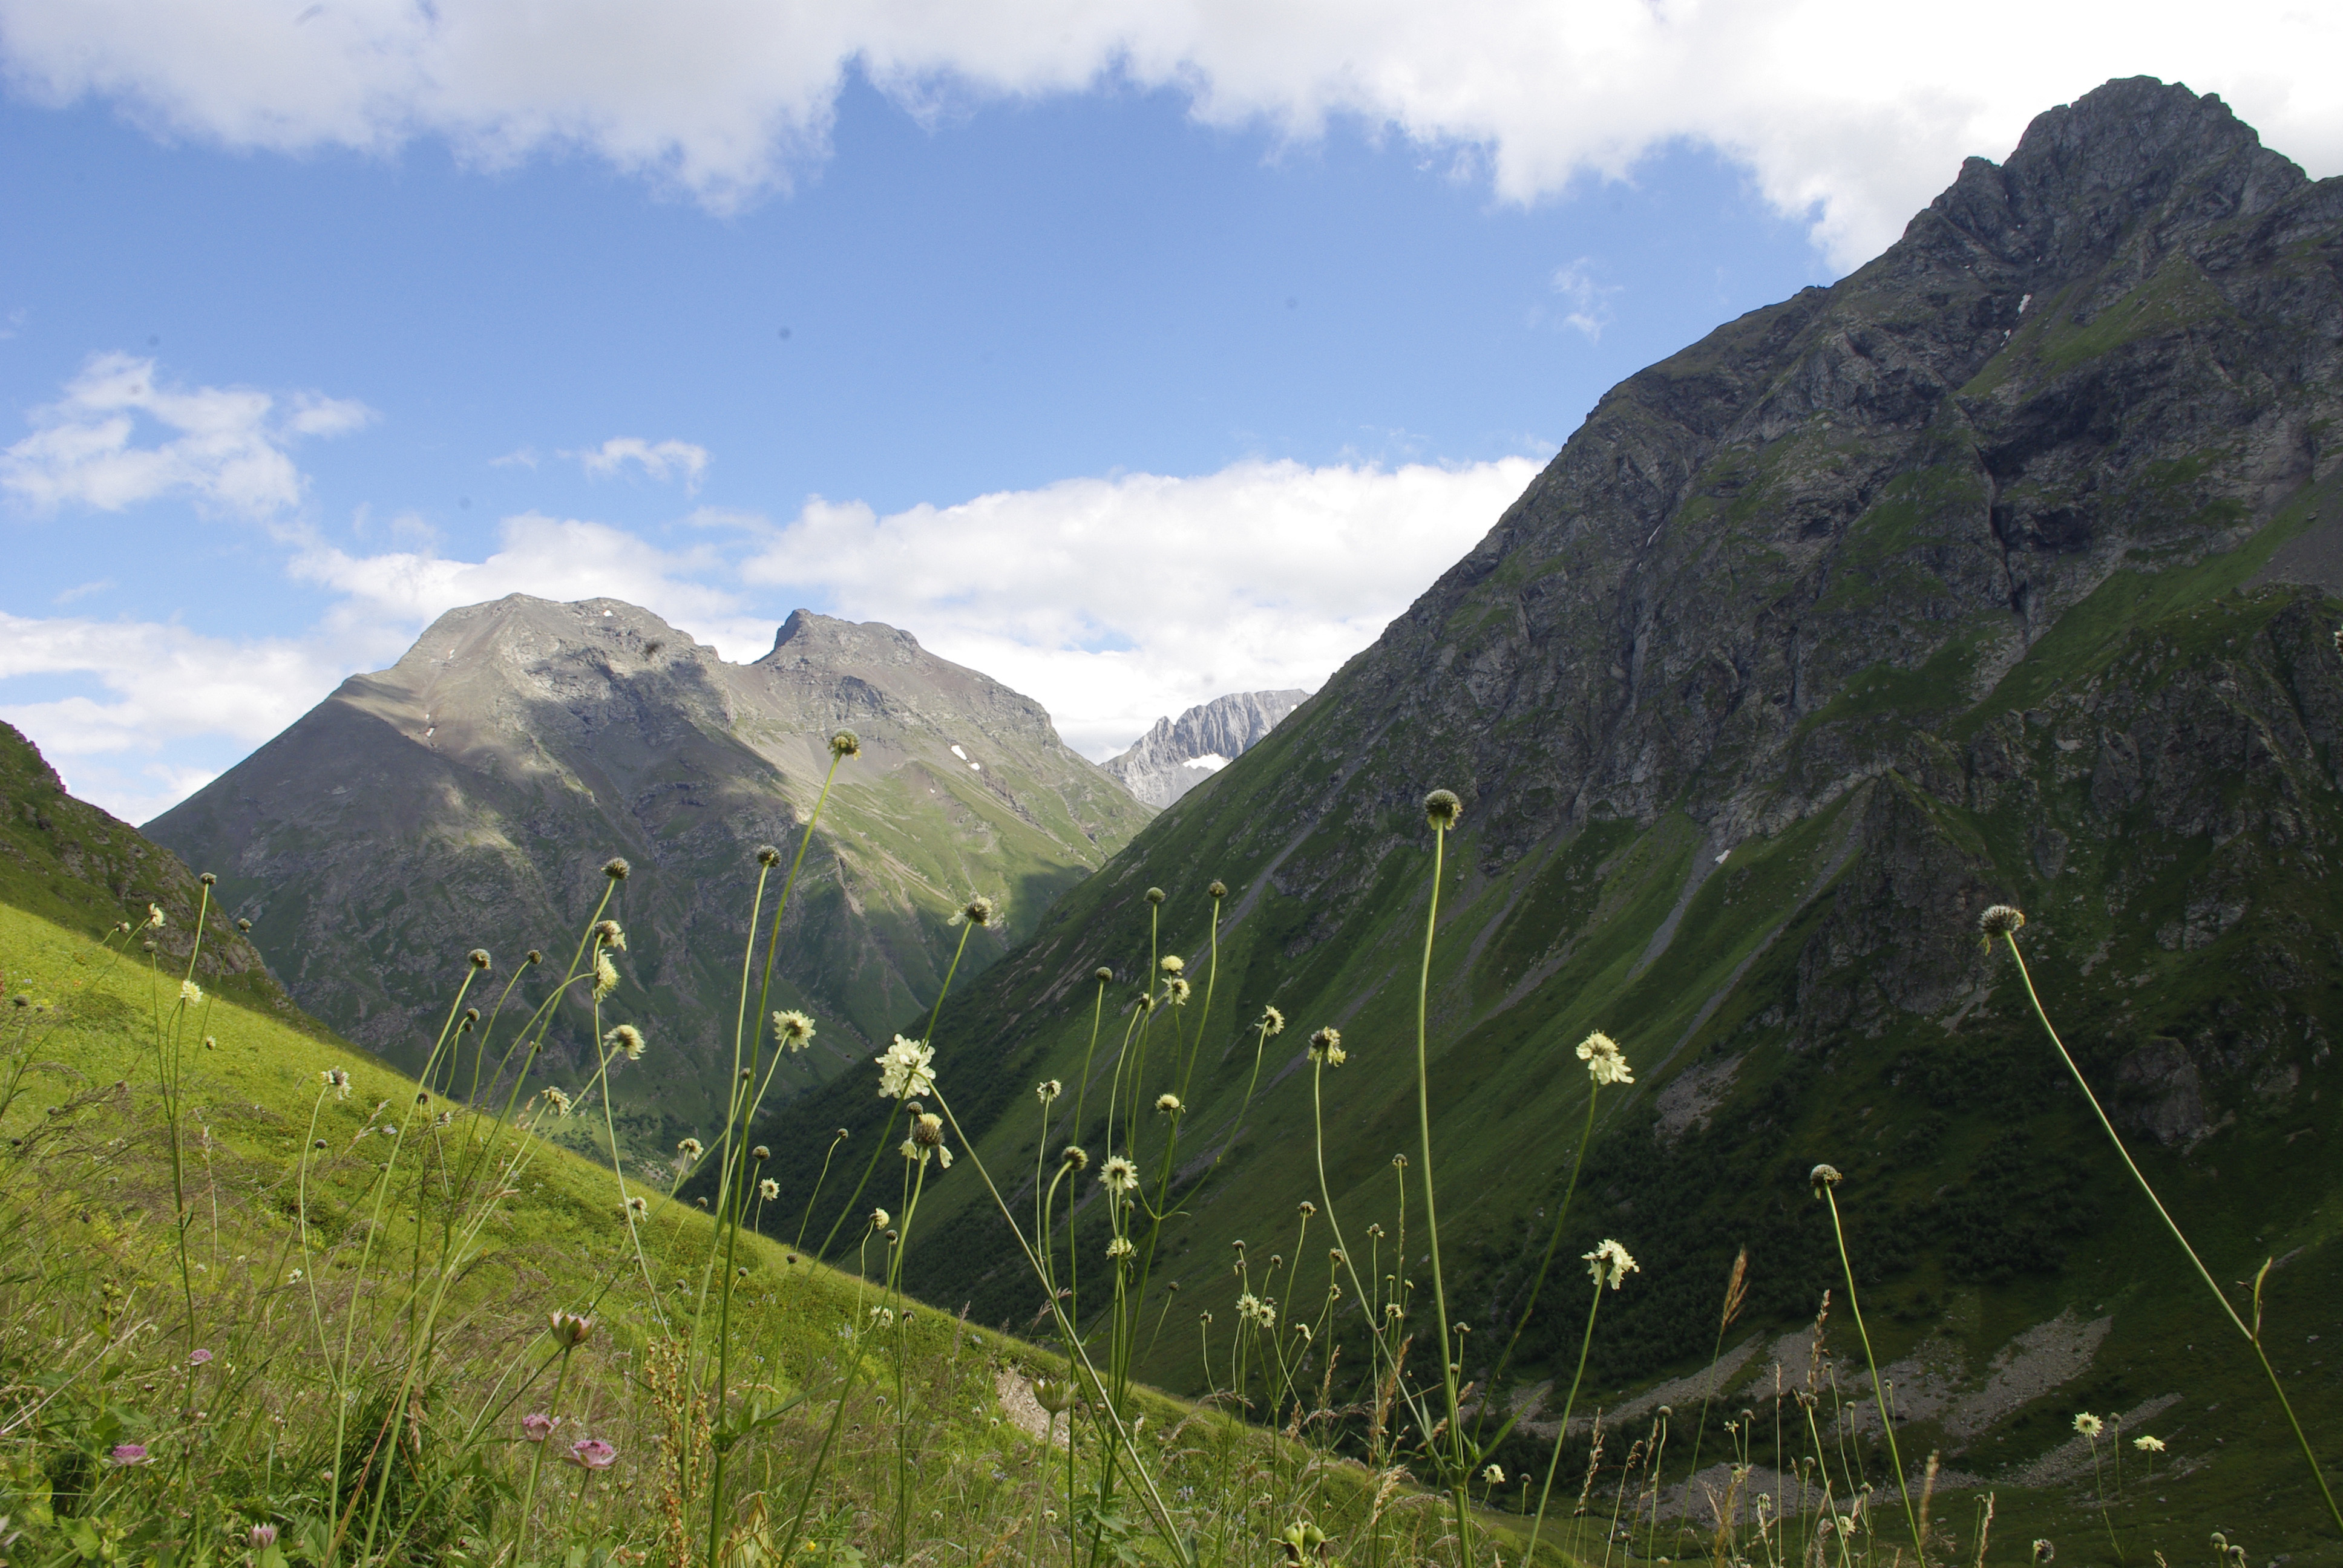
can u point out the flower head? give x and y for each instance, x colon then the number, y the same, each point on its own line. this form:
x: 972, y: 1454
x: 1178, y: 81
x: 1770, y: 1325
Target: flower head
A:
x: 1327, y: 1046
x: 128, y: 1453
x: 610, y: 934
x: 1120, y: 1248
x: 191, y: 993
x: 198, y: 1357
x: 592, y: 1453
x: 1255, y: 1310
x: 155, y: 916
x: 1605, y: 1062
x: 1047, y: 1089
x: 626, y: 1039
x: 538, y: 1426
x: 879, y: 1219
x: 2087, y: 1424
x: 904, y: 1068
x: 1177, y: 990
x: 1495, y: 1476
x: 1441, y: 809
x: 616, y: 868
x: 638, y: 1203
x: 1169, y: 1105
x: 560, y: 1100
x: 978, y: 911
x: 769, y: 1188
x: 245, y: 924
x: 1102, y: 974
x: 1119, y: 1174
x: 606, y: 976
x: 1154, y: 895
x: 1610, y: 1265
x: 1172, y: 963
x: 570, y: 1330
x: 1053, y: 1394
x: 338, y: 1081
x: 1216, y: 889
x: 793, y: 1029
x: 2147, y: 1444
x: 691, y: 1150
x: 1824, y: 1178
x: 1272, y: 1021
x: 2000, y: 921
x: 479, y: 958
x: 260, y: 1535
x: 846, y: 743
x: 1076, y: 1156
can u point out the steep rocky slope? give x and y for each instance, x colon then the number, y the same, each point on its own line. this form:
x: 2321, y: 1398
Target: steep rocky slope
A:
x: 1997, y: 570
x: 469, y: 795
x: 1180, y: 753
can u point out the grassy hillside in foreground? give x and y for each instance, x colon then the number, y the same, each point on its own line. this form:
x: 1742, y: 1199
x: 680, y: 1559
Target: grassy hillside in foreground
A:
x: 96, y: 1350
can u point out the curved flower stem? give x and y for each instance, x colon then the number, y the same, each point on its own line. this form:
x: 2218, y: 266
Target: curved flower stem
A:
x: 1887, y: 1421
x: 529, y: 1498
x: 1431, y: 1212
x: 1562, y: 1431
x: 1553, y: 1241
x: 2252, y: 1335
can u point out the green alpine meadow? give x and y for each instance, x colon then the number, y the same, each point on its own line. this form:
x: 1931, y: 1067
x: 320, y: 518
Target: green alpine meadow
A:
x: 1780, y: 1016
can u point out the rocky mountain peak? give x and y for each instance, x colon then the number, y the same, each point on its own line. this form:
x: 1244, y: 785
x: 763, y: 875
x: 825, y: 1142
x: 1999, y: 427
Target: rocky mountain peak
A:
x: 1178, y: 754
x: 807, y: 637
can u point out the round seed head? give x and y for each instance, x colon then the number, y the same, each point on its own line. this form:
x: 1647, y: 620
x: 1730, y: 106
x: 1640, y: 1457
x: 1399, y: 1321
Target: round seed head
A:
x: 1441, y: 809
x: 209, y: 880
x: 1102, y: 974
x: 760, y: 1153
x: 1216, y: 888
x: 846, y: 743
x: 768, y: 855
x: 1169, y: 1105
x: 1154, y: 895
x: 533, y: 956
x: 1823, y: 1177
x: 616, y: 868
x: 2001, y: 919
x: 244, y: 925
x: 1076, y: 1156
x: 479, y: 958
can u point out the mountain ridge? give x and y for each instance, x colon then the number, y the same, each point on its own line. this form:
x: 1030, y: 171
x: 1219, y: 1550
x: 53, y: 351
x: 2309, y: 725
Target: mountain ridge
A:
x: 1178, y: 754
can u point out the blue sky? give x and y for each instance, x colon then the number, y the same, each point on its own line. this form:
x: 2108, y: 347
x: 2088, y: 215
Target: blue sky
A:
x: 1131, y: 371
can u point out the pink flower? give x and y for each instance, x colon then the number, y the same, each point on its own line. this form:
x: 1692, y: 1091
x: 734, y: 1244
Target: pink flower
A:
x: 130, y: 1453
x: 537, y: 1427
x: 198, y: 1358
x: 592, y: 1453
x: 262, y: 1536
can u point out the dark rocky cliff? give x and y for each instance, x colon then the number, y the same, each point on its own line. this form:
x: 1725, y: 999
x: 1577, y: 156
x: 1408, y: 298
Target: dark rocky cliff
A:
x: 1178, y: 754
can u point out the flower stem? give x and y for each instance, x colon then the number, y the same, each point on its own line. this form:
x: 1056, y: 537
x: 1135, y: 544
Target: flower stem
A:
x: 1886, y: 1422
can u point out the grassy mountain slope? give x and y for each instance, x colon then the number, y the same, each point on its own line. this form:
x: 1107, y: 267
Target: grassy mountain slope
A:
x: 468, y: 795
x: 1899, y: 598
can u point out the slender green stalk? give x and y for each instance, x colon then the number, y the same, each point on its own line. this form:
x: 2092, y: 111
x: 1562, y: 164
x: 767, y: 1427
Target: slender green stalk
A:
x: 1553, y: 1241
x: 1562, y: 1431
x: 1458, y: 1465
x: 2253, y: 1336
x: 529, y: 1498
x: 1827, y: 1188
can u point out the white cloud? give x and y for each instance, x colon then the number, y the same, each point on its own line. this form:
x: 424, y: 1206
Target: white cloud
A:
x: 1848, y: 110
x: 657, y: 460
x: 225, y: 449
x: 1115, y: 601
x: 1588, y: 302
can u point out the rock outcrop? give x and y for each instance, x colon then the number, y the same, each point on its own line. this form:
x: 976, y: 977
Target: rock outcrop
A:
x: 1180, y: 753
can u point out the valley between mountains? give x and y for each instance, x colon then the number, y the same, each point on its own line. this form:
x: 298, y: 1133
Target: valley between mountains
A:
x: 2003, y: 571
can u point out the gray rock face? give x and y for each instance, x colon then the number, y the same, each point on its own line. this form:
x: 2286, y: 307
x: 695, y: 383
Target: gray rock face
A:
x: 1180, y: 753
x: 469, y: 795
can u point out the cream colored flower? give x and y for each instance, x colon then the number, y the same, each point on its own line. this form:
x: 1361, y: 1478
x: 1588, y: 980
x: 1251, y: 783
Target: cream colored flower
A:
x: 793, y: 1029
x: 1172, y: 963
x: 1119, y: 1174
x: 1610, y: 1264
x: 905, y: 1069
x: 1605, y: 1063
x: 2087, y: 1424
x: 191, y: 993
x: 2147, y: 1444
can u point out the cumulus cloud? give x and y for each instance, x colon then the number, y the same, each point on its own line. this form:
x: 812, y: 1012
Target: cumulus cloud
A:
x: 225, y: 448
x: 1850, y: 114
x: 1586, y: 302
x: 1116, y: 601
x: 657, y: 461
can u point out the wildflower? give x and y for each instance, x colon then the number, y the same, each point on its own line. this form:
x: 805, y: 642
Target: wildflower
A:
x: 2147, y: 1444
x: 793, y: 1029
x: 1441, y: 809
x: 338, y: 1081
x: 1255, y: 1310
x: 882, y: 1317
x: 1326, y: 1045
x: 592, y: 1453
x: 1177, y: 990
x: 198, y: 1358
x: 1154, y: 895
x: 1605, y: 1063
x: 616, y: 868
x: 878, y: 1219
x: 129, y: 1454
x: 1495, y: 1476
x: 1075, y: 1155
x: 638, y: 1203
x: 1169, y: 1105
x: 978, y: 911
x: 760, y: 1154
x: 294, y: 1278
x: 1272, y: 1021
x: 769, y: 1188
x: 1053, y: 1394
x: 1610, y: 1264
x: 846, y: 743
x: 471, y: 1021
x: 626, y: 1039
x: 1172, y: 963
x: 191, y: 993
x: 558, y: 1100
x: 2089, y: 1424
x: 606, y: 976
x: 1120, y: 1175
x: 1047, y: 1089
x: 903, y: 1069
x: 2044, y: 1552
x: 1824, y: 1177
x: 1120, y: 1248
x: 209, y: 880
x: 1216, y: 889
x: 155, y: 916
x: 533, y: 956
x: 2000, y: 921
x: 479, y: 958
x: 243, y: 924
x: 539, y: 1426
x: 569, y: 1329
x: 1102, y: 974
x: 211, y: 1042
x: 1306, y: 1207
x: 928, y: 1129
x: 261, y: 1535
x: 769, y: 855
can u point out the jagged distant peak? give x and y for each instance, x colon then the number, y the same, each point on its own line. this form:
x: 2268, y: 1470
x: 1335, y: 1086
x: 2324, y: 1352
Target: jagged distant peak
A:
x: 1178, y: 754
x: 808, y: 635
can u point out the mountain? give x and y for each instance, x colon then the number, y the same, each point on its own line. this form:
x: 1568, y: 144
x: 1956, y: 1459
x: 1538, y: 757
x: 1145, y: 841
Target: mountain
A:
x: 469, y: 795
x: 2001, y: 569
x: 1180, y: 753
x: 69, y: 862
